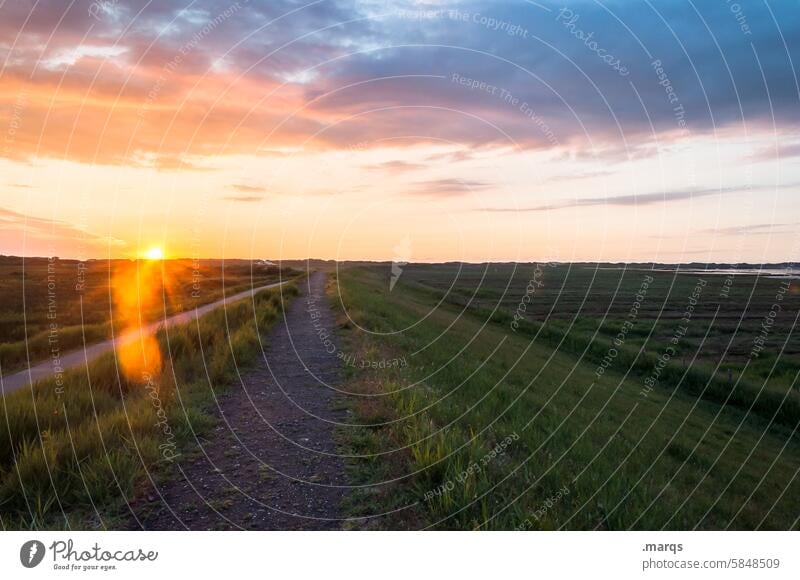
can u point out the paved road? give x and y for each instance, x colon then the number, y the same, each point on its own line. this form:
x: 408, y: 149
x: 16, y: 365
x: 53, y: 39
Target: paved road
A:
x: 82, y: 357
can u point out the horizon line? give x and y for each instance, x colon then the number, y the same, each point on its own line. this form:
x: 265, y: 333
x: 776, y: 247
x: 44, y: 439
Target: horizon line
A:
x: 277, y: 262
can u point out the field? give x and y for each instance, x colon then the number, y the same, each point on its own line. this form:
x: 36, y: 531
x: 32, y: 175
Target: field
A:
x: 528, y: 396
x: 571, y: 397
x: 73, y: 457
x: 78, y: 297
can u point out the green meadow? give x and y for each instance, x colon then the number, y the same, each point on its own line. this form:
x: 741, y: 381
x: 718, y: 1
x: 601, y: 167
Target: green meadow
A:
x: 612, y: 399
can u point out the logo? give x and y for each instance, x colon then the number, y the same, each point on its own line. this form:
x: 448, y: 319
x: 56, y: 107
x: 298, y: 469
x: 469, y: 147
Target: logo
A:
x: 402, y: 254
x: 32, y: 553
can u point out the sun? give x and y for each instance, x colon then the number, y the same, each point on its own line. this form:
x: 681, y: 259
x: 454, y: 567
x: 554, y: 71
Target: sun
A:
x: 154, y: 253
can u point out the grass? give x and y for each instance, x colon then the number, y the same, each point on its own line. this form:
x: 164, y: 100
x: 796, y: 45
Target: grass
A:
x: 491, y: 428
x: 76, y: 297
x: 74, y: 460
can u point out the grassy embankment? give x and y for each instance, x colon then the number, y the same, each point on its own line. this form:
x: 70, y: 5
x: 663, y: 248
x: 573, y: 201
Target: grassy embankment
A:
x: 73, y: 460
x: 491, y: 428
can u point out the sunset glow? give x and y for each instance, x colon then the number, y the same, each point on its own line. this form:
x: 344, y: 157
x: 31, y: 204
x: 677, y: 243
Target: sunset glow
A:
x: 154, y: 254
x: 222, y: 133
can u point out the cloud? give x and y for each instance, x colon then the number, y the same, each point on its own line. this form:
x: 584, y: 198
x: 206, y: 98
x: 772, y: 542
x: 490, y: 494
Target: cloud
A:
x: 244, y: 198
x: 395, y: 166
x: 194, y: 82
x: 169, y: 163
x: 640, y: 199
x: 248, y: 192
x: 753, y: 229
x: 575, y: 92
x: 452, y: 156
x: 52, y: 229
x: 248, y: 188
x: 580, y: 176
x: 776, y: 152
x: 448, y: 187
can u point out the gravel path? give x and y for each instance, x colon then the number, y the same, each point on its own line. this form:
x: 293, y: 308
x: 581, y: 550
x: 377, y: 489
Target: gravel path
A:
x: 271, y: 463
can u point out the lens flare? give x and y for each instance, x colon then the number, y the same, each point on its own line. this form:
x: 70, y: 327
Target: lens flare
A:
x: 139, y: 355
x: 137, y: 293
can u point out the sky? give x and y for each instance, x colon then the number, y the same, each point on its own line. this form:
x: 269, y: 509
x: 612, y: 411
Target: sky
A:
x: 618, y: 131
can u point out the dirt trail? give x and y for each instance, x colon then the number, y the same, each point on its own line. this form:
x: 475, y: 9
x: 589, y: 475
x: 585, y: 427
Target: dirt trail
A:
x: 267, y: 464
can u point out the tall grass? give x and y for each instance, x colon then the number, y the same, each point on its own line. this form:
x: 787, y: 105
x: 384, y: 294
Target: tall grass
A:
x: 67, y: 458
